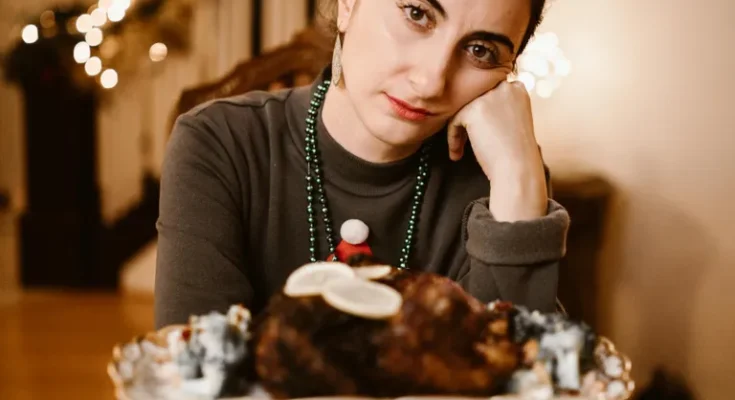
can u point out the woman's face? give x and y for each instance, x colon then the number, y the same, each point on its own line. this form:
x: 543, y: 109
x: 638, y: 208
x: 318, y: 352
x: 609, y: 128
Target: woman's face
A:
x: 433, y: 55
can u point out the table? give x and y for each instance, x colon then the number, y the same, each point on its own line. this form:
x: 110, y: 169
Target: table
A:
x: 56, y: 344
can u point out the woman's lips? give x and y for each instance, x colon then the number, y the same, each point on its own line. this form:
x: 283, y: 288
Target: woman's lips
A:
x: 406, y: 111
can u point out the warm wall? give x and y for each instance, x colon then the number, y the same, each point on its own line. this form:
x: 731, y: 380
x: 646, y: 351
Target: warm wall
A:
x: 649, y: 103
x: 281, y: 20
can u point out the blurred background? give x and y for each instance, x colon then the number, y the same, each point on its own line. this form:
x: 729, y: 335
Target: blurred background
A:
x: 632, y: 101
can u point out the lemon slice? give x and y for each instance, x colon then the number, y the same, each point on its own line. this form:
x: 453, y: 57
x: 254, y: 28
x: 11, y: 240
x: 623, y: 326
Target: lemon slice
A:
x: 309, y: 280
x: 363, y: 298
x: 371, y: 272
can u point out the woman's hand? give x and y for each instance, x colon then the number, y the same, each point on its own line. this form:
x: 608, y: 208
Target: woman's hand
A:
x: 499, y: 126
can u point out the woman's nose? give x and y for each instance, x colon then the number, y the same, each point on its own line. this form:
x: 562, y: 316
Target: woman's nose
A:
x: 428, y: 76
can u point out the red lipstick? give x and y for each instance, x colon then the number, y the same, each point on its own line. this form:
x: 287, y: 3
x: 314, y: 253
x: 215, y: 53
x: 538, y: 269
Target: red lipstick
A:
x: 408, y: 112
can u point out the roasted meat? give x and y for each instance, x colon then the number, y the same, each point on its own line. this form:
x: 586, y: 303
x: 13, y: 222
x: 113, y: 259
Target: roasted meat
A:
x: 446, y: 342
x: 442, y: 341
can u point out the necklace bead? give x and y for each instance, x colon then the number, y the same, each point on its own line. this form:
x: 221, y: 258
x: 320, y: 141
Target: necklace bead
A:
x: 314, y: 183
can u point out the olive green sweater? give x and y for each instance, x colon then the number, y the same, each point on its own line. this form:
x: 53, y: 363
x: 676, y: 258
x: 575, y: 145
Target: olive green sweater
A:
x: 233, y: 220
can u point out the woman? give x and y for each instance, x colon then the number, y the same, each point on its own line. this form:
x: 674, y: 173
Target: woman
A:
x: 413, y: 130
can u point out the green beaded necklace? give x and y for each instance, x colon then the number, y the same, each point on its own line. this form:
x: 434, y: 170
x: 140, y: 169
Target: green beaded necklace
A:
x: 314, y: 182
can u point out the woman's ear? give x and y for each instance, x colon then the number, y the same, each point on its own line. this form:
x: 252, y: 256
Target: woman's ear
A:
x: 345, y: 9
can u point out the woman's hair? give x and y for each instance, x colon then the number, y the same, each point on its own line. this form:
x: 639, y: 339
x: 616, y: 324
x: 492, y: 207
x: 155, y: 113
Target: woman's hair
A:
x: 328, y: 16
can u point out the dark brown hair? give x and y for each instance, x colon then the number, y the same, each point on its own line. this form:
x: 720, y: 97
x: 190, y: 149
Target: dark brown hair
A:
x: 328, y: 19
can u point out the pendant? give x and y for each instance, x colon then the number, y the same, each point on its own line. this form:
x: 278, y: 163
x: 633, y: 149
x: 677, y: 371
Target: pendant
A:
x: 354, y: 235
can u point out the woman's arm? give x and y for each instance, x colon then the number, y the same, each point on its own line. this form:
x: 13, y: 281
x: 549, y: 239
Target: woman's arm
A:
x: 516, y: 238
x: 201, y: 242
x: 515, y: 261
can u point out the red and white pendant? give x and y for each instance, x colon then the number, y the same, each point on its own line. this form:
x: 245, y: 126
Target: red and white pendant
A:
x: 354, y: 235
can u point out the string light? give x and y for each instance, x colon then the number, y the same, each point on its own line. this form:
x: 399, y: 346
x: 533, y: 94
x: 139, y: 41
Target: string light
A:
x: 527, y: 79
x: 124, y: 4
x: 544, y: 88
x: 108, y: 80
x: 542, y: 66
x: 84, y: 23
x: 93, y: 66
x: 99, y: 17
x: 563, y: 67
x: 94, y: 37
x: 158, y: 52
x: 30, y: 34
x: 116, y: 13
x: 91, y: 24
x: 82, y: 52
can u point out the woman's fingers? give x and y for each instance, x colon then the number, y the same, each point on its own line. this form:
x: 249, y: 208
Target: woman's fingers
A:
x: 457, y: 138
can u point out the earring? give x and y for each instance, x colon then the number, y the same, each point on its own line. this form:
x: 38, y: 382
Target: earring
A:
x: 337, y: 62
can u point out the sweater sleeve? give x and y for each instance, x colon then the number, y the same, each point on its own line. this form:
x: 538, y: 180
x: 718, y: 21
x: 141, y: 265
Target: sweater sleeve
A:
x: 514, y: 261
x: 201, y: 237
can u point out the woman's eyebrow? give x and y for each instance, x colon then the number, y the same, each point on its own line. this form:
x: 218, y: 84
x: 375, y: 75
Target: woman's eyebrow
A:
x: 438, y: 7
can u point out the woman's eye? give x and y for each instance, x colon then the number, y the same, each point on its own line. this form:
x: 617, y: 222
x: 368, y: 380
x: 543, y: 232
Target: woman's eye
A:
x: 482, y: 53
x: 417, y: 15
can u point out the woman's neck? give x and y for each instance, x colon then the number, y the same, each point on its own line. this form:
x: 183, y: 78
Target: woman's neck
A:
x: 347, y: 129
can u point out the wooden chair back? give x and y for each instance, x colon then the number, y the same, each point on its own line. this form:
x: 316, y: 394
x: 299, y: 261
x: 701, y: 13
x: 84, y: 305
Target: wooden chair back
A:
x: 296, y: 63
